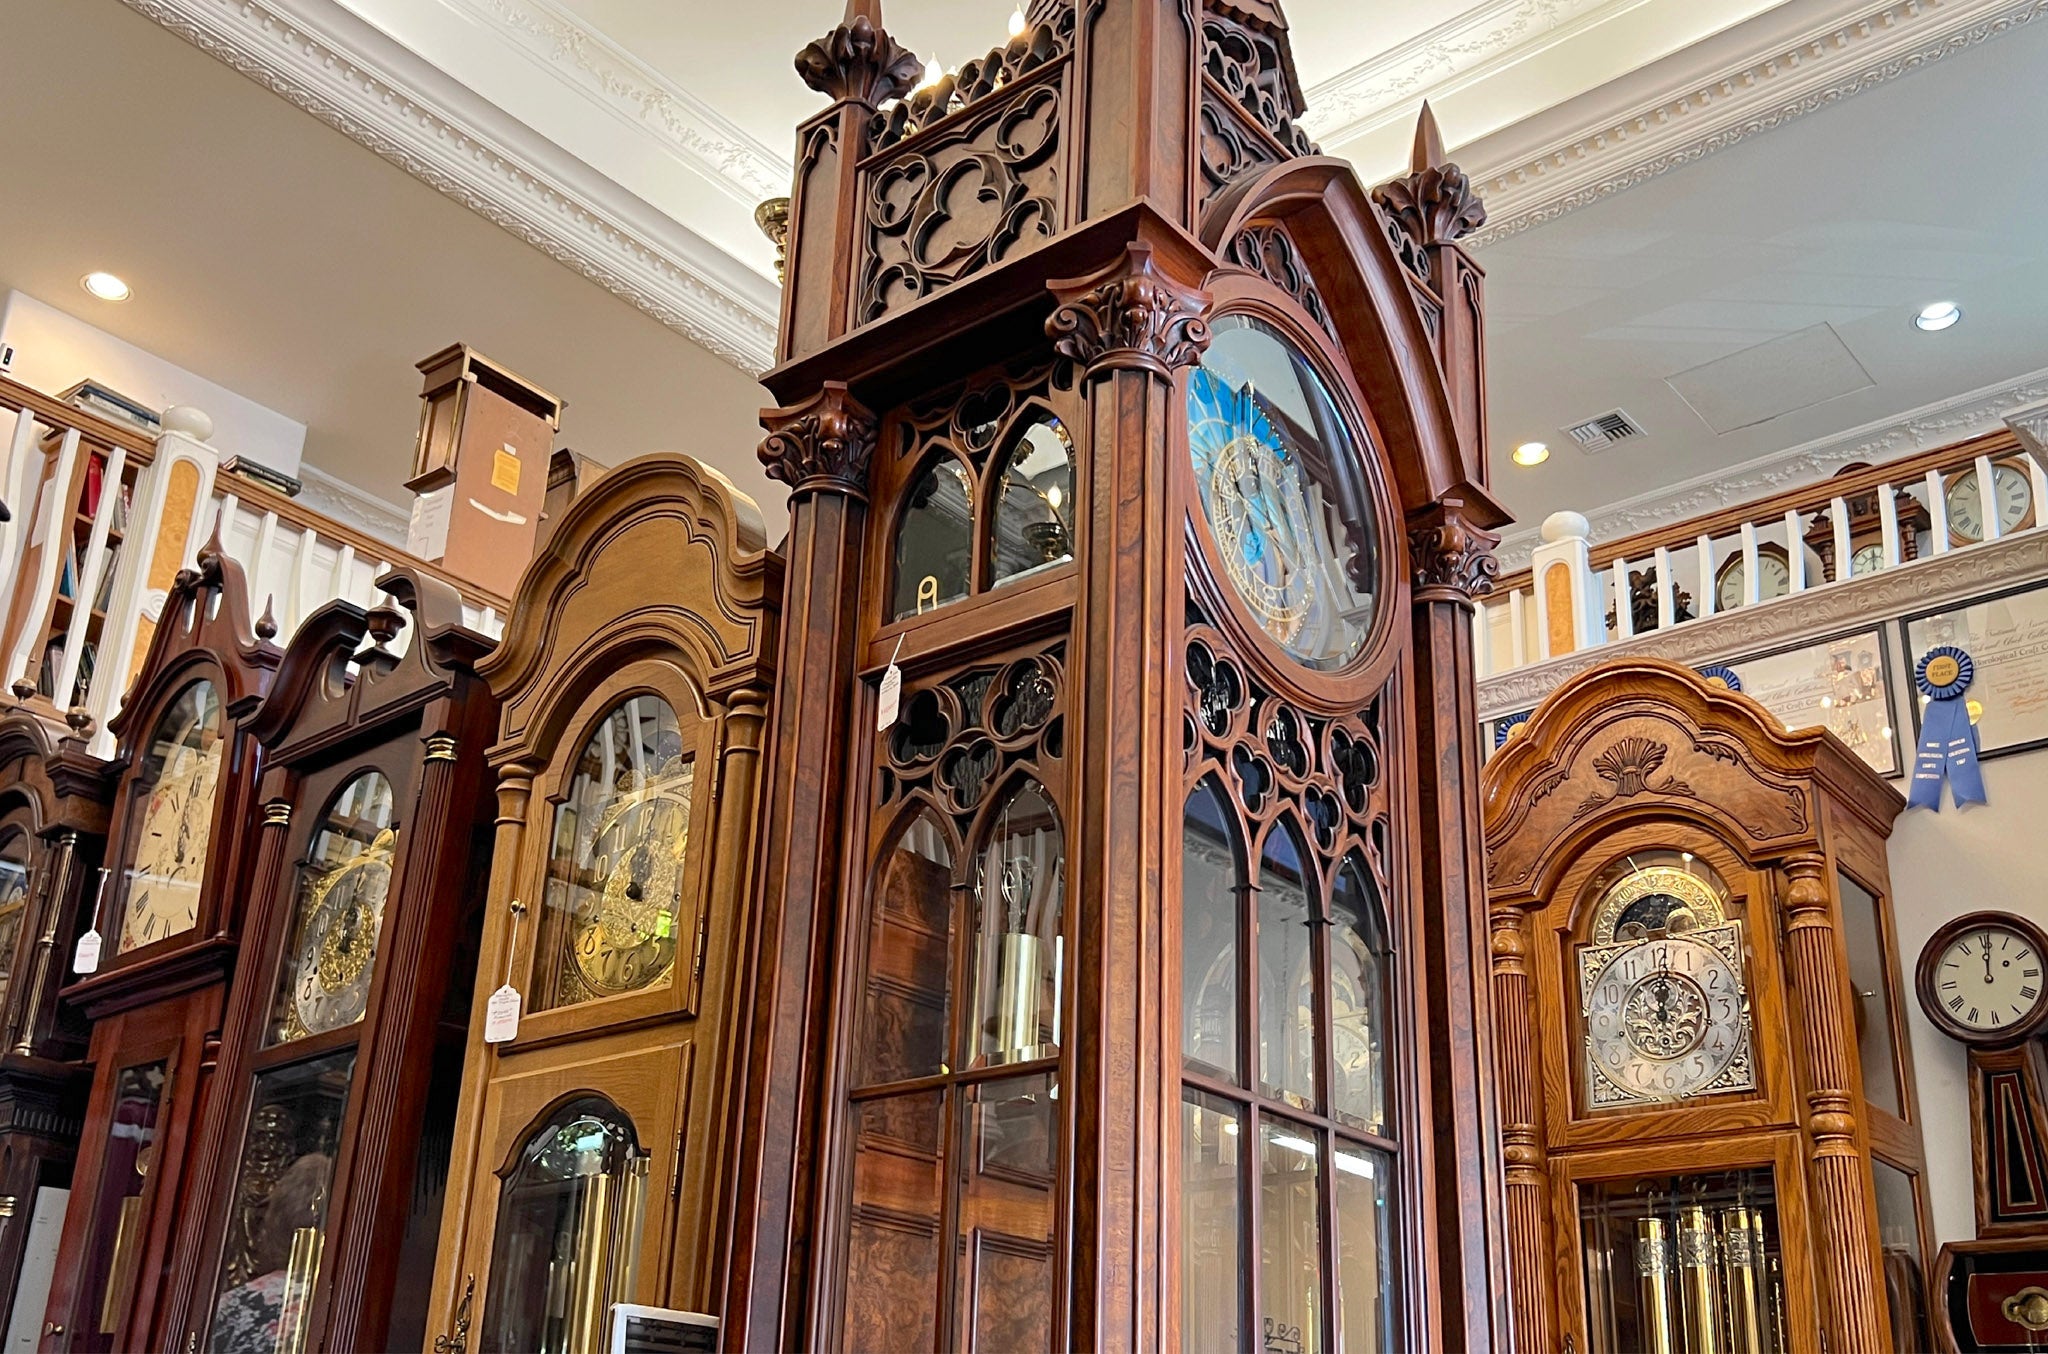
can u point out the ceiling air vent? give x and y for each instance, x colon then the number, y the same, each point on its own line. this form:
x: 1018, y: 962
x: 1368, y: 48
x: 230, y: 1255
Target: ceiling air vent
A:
x: 1598, y: 434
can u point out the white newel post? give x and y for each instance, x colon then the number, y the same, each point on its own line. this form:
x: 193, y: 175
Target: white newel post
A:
x: 168, y: 521
x: 1569, y: 611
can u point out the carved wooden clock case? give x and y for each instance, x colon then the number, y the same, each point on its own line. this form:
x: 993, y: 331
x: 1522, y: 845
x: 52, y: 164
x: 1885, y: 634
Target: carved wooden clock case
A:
x: 183, y: 827
x: 1145, y: 446
x: 53, y: 825
x: 318, y: 1172
x: 1712, y: 1142
x: 594, y: 1152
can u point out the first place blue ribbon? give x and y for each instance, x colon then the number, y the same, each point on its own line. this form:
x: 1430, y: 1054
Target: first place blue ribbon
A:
x: 1948, y: 741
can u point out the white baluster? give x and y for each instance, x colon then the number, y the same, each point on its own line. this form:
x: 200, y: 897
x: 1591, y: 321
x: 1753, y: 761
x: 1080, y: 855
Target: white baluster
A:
x: 54, y: 533
x: 1518, y: 631
x: 1937, y: 500
x: 262, y: 571
x: 1752, y: 585
x: 1838, y: 514
x: 1987, y: 491
x: 18, y: 487
x: 2039, y: 480
x: 1888, y: 525
x: 1706, y: 593
x: 1795, y: 552
x: 1624, y: 617
x: 495, y: 628
x: 1667, y: 602
x: 1482, y: 640
x: 226, y: 522
x: 296, y: 604
x: 90, y: 570
x: 341, y: 581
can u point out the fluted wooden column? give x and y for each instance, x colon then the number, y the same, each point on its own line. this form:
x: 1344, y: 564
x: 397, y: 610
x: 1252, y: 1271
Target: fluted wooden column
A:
x: 1532, y: 1283
x: 1845, y: 1250
x: 58, y: 883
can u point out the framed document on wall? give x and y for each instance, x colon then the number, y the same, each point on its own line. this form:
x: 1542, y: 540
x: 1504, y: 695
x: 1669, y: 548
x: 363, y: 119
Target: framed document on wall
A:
x: 1842, y: 684
x: 2007, y: 638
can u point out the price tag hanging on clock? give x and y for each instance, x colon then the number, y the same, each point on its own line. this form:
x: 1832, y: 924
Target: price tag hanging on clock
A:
x: 501, y: 1013
x: 86, y: 958
x: 890, y: 697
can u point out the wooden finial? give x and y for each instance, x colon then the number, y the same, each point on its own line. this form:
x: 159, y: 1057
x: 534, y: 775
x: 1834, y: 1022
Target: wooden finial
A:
x: 266, y: 624
x: 871, y: 10
x: 1429, y: 142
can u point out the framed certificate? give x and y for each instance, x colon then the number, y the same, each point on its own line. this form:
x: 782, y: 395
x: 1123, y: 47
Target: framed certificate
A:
x: 1843, y: 684
x: 2006, y: 635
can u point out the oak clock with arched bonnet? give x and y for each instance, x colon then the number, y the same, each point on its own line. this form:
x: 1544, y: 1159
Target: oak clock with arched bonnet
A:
x: 1118, y: 925
x: 171, y: 911
x: 1709, y: 1124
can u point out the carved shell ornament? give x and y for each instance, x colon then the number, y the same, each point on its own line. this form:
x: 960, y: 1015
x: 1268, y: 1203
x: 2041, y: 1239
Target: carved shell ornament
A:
x: 1628, y: 766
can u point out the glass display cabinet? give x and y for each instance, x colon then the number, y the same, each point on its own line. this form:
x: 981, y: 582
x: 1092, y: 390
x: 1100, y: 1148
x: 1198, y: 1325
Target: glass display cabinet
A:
x: 595, y: 1145
x: 171, y: 913
x: 1707, y: 1091
x: 1124, y: 740
x: 319, y: 1165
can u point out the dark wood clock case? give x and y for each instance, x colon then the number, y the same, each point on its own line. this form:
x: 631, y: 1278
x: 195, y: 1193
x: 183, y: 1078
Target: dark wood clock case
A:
x: 342, y: 1106
x: 156, y: 1010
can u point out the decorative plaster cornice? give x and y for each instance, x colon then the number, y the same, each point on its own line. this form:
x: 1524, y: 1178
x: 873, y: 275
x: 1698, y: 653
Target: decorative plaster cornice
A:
x: 1925, y: 584
x: 1693, y: 116
x: 344, y: 502
x: 1951, y: 420
x: 369, y: 87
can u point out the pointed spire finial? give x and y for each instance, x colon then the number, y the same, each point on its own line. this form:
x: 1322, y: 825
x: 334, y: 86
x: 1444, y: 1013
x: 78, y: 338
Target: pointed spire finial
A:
x: 871, y: 10
x: 266, y: 624
x: 858, y: 61
x: 1429, y: 142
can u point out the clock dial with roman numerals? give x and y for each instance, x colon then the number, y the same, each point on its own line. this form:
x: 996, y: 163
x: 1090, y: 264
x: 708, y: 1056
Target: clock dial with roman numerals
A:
x: 1981, y: 978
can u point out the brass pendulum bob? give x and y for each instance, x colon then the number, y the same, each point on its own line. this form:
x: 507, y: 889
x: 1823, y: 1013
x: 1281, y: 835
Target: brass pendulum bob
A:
x: 1653, y: 1278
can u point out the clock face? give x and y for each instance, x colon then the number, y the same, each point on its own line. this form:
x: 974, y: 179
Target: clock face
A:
x: 1666, y: 1018
x: 615, y: 887
x: 1866, y: 559
x: 1773, y: 579
x: 340, y: 913
x: 2010, y: 488
x: 13, y: 897
x: 1988, y: 978
x: 1281, y: 484
x: 174, y: 800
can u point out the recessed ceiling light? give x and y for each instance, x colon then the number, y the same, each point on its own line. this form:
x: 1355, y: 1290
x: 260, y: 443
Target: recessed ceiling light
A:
x: 1939, y: 315
x: 106, y: 286
x: 1531, y: 453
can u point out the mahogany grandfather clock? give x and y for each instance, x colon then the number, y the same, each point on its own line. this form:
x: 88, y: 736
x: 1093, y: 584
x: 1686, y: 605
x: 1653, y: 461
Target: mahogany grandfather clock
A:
x: 184, y: 822
x: 53, y: 826
x: 321, y: 1159
x: 597, y: 1135
x: 1709, y: 1122
x: 1123, y: 964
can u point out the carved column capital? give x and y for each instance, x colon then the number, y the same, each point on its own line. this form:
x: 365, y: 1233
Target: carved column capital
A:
x: 859, y: 62
x: 1432, y: 206
x: 1453, y: 558
x: 1130, y: 315
x: 825, y: 443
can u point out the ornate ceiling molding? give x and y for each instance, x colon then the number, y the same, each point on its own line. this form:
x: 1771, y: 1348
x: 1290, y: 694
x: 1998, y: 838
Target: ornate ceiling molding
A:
x: 1693, y: 114
x: 1950, y: 420
x: 345, y: 502
x: 369, y: 87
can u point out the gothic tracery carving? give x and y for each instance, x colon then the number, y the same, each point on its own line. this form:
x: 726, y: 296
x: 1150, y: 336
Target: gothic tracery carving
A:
x: 1269, y: 251
x: 1045, y: 39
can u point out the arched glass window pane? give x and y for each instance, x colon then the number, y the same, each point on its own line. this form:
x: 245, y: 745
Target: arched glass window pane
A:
x: 935, y: 540
x: 1034, y: 524
x: 332, y: 953
x: 1212, y: 891
x: 615, y: 865
x: 1020, y: 956
x: 568, y: 1234
x: 1365, y: 1278
x: 13, y: 899
x: 1358, y: 1000
x: 1287, y: 1004
x: 910, y: 946
x: 173, y: 819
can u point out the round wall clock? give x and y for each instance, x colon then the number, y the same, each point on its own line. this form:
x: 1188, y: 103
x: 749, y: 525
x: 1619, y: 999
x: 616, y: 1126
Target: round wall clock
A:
x: 1281, y: 483
x: 1979, y: 978
x: 2011, y: 487
x: 1773, y: 577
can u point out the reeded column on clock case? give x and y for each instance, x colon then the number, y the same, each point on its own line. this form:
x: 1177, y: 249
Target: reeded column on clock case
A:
x: 1527, y: 1184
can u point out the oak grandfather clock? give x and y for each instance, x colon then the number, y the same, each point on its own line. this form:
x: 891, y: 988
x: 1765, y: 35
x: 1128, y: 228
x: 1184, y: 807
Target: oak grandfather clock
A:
x: 169, y: 918
x: 1122, y: 970
x: 1709, y: 1121
x: 320, y: 1162
x: 597, y: 1134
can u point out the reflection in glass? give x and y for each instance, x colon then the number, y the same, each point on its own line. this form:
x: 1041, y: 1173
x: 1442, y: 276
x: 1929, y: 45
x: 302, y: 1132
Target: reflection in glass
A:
x: 1870, y: 983
x: 1282, y: 483
x: 615, y: 864
x: 119, y: 1218
x: 1006, y: 1180
x: 1211, y: 1176
x: 1365, y: 1280
x: 910, y: 943
x: 1898, y: 1234
x: 172, y: 808
x: 892, y: 1260
x: 1287, y: 1004
x: 277, y: 1214
x: 1020, y: 956
x: 1683, y: 1264
x: 1290, y: 1238
x: 1212, y: 888
x: 1034, y: 524
x: 13, y: 899
x: 934, y: 540
x: 332, y: 953
x: 1358, y: 1000
x: 568, y: 1237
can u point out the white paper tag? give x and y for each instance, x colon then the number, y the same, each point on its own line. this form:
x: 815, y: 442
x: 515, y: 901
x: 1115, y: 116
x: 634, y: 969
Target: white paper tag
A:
x: 86, y: 958
x: 501, y: 1016
x: 427, y: 536
x: 891, y: 697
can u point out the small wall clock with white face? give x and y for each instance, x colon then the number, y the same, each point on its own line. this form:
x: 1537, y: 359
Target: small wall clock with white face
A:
x: 1980, y: 978
x: 2012, y: 490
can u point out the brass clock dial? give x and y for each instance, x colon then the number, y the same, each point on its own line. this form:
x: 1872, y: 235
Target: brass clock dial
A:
x: 1666, y: 1017
x: 168, y: 864
x: 627, y: 941
x: 338, y: 951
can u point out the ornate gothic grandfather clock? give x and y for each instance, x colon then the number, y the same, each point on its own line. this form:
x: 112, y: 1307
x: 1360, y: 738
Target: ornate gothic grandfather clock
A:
x: 1707, y: 1097
x: 1121, y: 992
x: 319, y: 1168
x: 595, y: 1143
x: 53, y: 825
x: 184, y: 821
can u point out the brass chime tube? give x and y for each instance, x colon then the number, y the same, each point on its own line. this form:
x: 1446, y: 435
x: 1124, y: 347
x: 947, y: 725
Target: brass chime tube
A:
x: 302, y: 1270
x: 1698, y: 1281
x: 1017, y: 993
x: 588, y: 1293
x: 1653, y: 1277
x: 1742, y: 1280
x: 626, y: 1244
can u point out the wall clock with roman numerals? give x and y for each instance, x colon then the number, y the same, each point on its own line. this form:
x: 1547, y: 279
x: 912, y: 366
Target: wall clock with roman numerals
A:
x: 1980, y: 979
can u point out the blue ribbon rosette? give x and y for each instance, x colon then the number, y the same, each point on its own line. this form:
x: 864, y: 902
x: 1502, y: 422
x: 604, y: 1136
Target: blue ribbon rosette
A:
x: 1948, y: 741
x: 1718, y: 675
